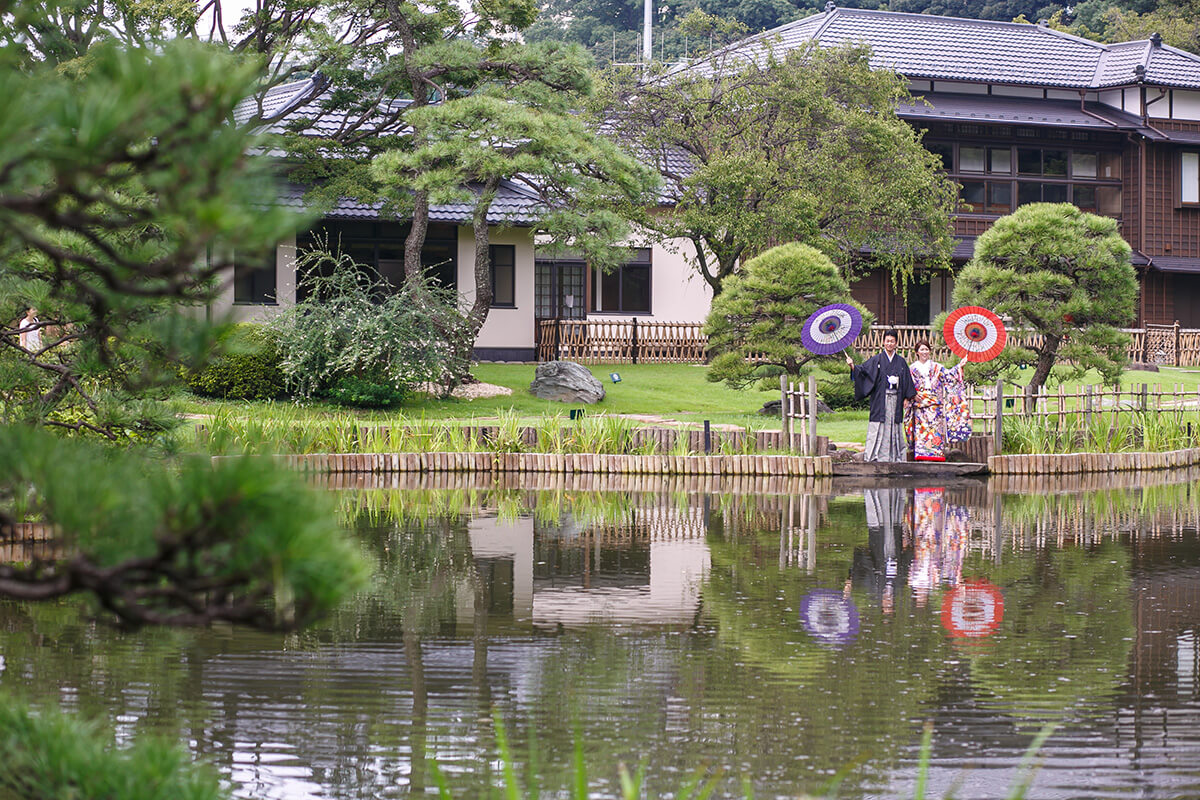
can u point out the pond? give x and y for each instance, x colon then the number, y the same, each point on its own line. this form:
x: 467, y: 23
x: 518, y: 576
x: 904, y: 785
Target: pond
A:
x: 778, y: 636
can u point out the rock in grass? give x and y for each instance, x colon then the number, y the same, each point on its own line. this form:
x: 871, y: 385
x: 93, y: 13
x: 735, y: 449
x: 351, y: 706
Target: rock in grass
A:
x: 566, y: 381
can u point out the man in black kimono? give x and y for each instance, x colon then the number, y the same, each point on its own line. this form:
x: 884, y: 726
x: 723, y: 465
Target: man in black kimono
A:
x: 886, y: 380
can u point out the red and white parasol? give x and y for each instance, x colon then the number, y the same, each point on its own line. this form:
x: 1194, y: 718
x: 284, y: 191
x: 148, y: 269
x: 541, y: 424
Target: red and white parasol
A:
x: 974, y: 332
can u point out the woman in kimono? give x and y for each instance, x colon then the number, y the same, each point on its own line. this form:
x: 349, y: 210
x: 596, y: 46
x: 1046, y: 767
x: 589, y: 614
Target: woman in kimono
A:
x: 940, y: 414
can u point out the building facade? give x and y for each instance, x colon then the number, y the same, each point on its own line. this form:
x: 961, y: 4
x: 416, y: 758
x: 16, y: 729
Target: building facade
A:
x: 1018, y: 114
x: 1024, y: 113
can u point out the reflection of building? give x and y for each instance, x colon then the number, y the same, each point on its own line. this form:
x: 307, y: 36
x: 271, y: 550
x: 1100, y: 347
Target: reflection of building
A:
x: 646, y: 571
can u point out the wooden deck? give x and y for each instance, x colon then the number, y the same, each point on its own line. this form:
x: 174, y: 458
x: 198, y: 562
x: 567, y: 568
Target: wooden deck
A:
x: 907, y: 469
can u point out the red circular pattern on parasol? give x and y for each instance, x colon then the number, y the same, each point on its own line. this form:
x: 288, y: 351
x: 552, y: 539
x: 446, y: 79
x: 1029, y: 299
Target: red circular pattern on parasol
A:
x: 974, y: 332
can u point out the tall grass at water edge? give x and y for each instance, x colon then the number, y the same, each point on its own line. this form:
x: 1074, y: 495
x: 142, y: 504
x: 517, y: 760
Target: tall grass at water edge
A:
x: 1129, y: 431
x: 226, y: 433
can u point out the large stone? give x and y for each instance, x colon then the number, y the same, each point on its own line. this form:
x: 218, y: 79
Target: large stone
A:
x: 566, y: 381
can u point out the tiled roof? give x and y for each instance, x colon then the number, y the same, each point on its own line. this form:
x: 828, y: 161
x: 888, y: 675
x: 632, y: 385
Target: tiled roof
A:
x: 512, y: 206
x: 1175, y: 263
x: 949, y: 48
x: 991, y: 108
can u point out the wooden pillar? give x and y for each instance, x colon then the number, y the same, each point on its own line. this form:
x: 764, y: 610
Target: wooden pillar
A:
x: 812, y: 415
x: 998, y: 429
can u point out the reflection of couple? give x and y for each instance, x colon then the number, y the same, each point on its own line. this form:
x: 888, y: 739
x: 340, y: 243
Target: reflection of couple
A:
x: 931, y: 556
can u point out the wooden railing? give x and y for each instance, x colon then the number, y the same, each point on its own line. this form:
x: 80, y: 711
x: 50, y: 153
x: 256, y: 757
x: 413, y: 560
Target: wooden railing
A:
x: 1168, y: 345
x: 636, y: 340
x: 632, y: 341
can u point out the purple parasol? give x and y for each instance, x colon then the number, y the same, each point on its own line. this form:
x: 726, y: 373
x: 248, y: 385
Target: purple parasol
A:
x: 831, y: 328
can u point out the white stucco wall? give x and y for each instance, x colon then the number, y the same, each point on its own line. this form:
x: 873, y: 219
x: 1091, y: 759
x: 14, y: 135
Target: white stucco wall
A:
x: 505, y: 327
x: 1184, y: 105
x: 677, y: 292
x: 1017, y: 91
x: 285, y: 289
x: 960, y: 87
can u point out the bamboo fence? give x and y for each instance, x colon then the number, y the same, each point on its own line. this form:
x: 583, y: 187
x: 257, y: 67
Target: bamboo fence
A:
x: 639, y: 340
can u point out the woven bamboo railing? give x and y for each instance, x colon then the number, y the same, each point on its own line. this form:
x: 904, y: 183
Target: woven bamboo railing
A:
x: 646, y: 341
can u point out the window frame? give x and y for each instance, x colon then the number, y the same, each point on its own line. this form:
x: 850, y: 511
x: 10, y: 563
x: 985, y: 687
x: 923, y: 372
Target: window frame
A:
x: 511, y: 266
x: 643, y: 258
x: 270, y: 267
x: 1180, y: 202
x: 1015, y: 177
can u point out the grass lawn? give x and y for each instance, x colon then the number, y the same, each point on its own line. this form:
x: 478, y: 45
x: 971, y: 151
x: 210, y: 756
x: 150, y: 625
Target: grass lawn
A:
x: 677, y: 392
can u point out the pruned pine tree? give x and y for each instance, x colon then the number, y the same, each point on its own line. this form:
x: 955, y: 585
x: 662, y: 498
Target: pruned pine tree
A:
x: 1062, y: 274
x: 754, y: 326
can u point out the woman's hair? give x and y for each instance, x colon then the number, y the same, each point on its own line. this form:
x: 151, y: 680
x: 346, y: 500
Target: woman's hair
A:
x: 917, y: 346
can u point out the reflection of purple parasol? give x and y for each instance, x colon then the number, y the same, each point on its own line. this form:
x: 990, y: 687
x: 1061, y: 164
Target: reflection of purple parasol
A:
x: 828, y: 617
x: 831, y: 328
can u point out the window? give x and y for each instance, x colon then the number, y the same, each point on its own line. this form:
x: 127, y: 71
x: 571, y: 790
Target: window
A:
x: 995, y: 179
x: 504, y: 275
x: 625, y: 290
x: 1189, y: 178
x: 945, y: 152
x: 1083, y: 165
x: 380, y: 247
x: 254, y: 283
x: 971, y: 159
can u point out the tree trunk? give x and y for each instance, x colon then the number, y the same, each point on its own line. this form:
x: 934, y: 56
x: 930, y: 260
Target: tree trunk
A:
x: 1041, y: 370
x: 415, y: 242
x: 483, y: 261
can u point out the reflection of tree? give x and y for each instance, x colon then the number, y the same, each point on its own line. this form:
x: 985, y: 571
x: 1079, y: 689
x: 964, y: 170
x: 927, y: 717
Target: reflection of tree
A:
x: 1067, y: 631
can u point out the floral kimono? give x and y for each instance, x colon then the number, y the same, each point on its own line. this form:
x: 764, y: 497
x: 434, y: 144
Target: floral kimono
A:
x: 940, y: 414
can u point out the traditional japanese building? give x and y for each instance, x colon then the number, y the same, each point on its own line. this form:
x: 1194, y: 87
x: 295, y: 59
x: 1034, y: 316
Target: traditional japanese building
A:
x: 1024, y: 113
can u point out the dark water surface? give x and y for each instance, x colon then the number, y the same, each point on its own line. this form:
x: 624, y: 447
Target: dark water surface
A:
x: 775, y: 635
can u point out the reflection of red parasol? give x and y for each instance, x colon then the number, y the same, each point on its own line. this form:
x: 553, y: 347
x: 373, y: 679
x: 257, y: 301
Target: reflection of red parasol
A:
x: 973, y: 609
x: 974, y: 332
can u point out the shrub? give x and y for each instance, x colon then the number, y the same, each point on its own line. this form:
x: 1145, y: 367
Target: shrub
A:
x: 838, y: 393
x: 247, y: 368
x: 358, y: 392
x: 355, y: 324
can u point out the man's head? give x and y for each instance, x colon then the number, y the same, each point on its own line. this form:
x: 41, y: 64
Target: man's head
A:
x: 890, y: 340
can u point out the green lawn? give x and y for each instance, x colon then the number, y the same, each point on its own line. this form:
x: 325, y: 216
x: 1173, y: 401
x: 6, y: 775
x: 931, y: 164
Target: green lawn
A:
x: 677, y: 392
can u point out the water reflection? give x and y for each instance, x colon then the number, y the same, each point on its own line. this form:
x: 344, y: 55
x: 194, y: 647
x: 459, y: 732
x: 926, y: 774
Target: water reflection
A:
x: 776, y: 635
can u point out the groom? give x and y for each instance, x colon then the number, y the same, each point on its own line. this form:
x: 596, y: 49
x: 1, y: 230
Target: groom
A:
x: 886, y: 380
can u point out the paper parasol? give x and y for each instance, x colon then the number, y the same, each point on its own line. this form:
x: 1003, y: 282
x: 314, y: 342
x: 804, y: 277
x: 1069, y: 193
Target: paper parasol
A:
x: 831, y: 328
x: 974, y: 332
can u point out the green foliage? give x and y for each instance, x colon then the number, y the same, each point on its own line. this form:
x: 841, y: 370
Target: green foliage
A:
x: 1062, y: 274
x: 838, y: 393
x: 754, y: 325
x: 356, y: 392
x: 354, y: 324
x: 114, y: 184
x: 800, y: 146
x: 187, y: 542
x: 49, y: 754
x: 247, y: 369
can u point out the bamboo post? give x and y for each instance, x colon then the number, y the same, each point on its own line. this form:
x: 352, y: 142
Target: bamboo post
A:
x: 998, y: 430
x: 812, y: 415
x: 783, y: 407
